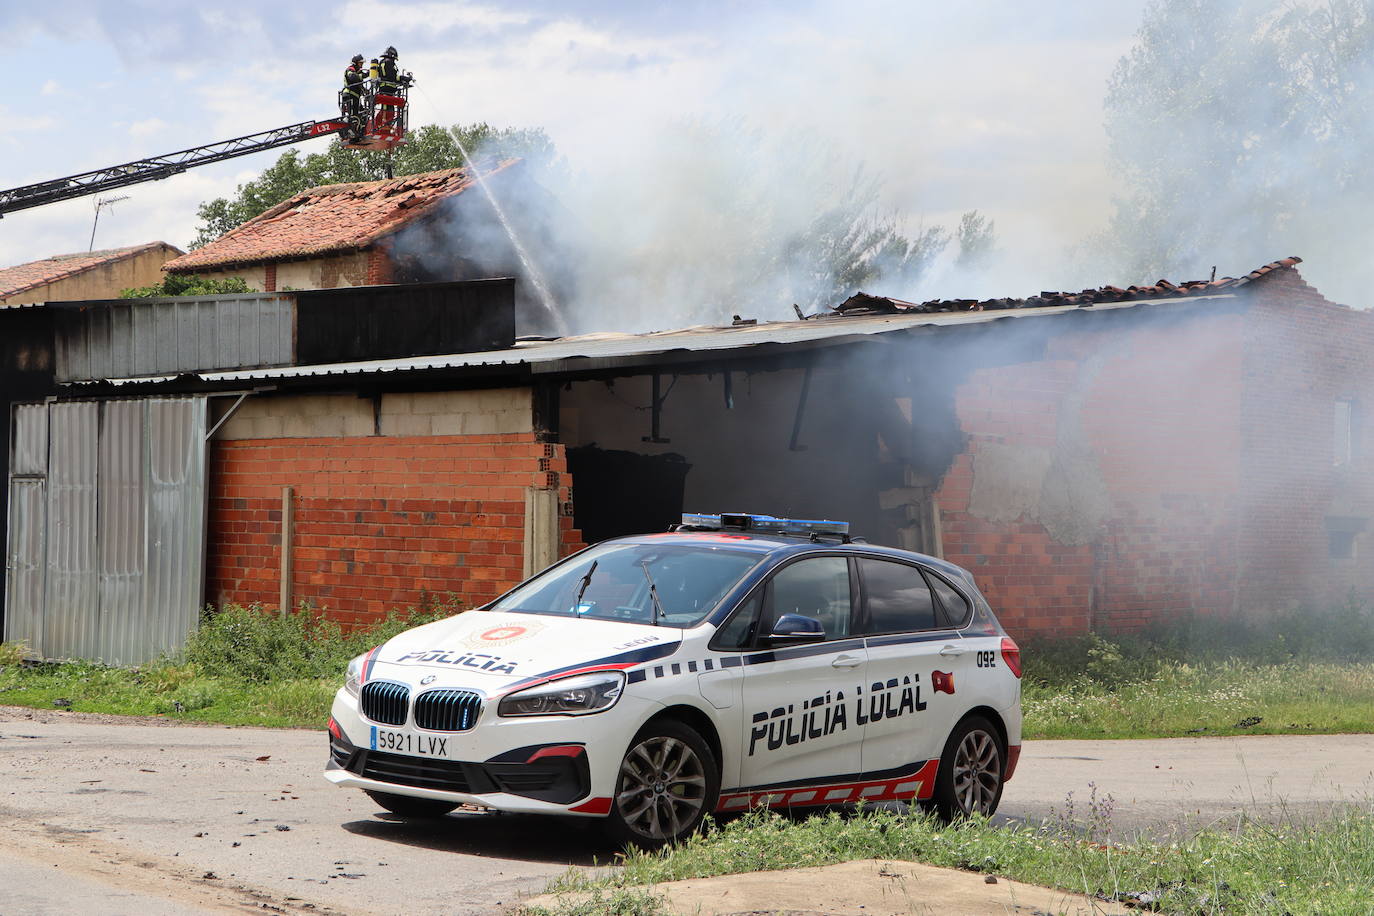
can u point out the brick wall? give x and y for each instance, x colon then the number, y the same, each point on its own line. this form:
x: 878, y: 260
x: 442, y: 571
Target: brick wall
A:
x: 381, y: 522
x: 324, y: 272
x: 1302, y: 354
x: 1100, y: 484
x: 379, y: 268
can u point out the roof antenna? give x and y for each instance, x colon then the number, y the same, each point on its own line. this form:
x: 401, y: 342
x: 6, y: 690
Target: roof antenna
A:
x: 100, y: 204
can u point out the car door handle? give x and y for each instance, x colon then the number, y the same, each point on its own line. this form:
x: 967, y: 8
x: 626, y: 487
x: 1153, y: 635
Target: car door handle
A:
x: 953, y: 651
x: 847, y: 661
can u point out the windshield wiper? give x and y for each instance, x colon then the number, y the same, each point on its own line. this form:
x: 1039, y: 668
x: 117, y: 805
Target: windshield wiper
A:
x: 582, y: 589
x: 653, y: 593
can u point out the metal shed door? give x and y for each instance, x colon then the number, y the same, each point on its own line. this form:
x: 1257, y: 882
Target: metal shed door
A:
x: 107, y: 527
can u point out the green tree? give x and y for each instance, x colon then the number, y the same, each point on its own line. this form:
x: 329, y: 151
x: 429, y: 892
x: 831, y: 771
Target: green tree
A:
x: 431, y: 147
x: 1242, y: 130
x: 188, y: 285
x: 977, y: 237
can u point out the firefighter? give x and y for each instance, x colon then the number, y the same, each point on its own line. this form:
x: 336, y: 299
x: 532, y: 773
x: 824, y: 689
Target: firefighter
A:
x: 389, y: 76
x: 388, y: 83
x: 351, y: 99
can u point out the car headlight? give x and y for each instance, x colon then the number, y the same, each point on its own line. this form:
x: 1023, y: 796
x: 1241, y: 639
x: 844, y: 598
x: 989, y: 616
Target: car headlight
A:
x: 353, y: 681
x: 570, y: 696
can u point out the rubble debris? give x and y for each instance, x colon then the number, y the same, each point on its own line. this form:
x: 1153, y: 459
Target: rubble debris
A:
x: 862, y: 303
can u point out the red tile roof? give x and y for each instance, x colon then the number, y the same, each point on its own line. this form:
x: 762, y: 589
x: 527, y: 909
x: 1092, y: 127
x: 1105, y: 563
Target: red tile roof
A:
x: 21, y: 277
x: 863, y: 303
x: 332, y: 218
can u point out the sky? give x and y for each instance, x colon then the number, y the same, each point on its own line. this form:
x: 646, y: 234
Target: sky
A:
x: 993, y: 105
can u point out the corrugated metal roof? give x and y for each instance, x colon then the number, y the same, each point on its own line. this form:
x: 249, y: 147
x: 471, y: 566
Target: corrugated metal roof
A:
x: 595, y: 351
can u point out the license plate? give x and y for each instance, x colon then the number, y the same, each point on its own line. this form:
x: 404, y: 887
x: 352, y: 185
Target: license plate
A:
x: 384, y: 739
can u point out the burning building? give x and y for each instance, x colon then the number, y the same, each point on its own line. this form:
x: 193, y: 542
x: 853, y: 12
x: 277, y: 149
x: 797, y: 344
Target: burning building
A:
x: 1100, y: 460
x: 372, y: 232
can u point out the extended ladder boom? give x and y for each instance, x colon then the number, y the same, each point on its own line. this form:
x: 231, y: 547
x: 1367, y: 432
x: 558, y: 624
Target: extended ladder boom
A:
x: 47, y: 192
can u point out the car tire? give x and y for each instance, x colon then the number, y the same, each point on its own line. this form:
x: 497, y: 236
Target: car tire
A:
x: 409, y: 806
x: 971, y: 768
x: 667, y: 782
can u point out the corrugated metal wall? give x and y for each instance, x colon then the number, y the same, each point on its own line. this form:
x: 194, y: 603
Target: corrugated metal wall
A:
x: 71, y: 617
x: 107, y: 527
x: 173, y: 335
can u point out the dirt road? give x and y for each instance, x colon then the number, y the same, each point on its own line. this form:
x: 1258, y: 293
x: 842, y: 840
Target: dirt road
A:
x: 108, y: 816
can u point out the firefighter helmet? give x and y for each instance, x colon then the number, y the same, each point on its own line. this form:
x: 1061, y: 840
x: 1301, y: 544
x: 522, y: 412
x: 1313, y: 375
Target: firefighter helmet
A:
x: 357, y: 58
x: 390, y: 51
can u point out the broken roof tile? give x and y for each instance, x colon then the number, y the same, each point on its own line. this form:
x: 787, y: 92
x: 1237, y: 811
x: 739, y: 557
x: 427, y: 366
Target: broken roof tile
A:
x: 867, y: 304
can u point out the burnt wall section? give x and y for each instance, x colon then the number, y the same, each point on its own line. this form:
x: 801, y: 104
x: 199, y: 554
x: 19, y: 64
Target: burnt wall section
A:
x: 751, y: 440
x: 1101, y: 484
x: 1308, y: 450
x: 622, y: 492
x: 373, y: 322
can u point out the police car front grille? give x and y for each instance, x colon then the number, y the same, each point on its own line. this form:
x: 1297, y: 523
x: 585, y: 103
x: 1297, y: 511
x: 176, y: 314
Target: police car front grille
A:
x: 421, y: 772
x: 447, y: 710
x: 386, y: 702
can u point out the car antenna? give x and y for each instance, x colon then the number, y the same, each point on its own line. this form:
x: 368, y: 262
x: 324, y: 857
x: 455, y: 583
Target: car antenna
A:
x: 653, y: 592
x: 582, y: 589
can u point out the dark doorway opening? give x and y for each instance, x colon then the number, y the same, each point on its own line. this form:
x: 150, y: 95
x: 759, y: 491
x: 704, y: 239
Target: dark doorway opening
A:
x: 618, y: 493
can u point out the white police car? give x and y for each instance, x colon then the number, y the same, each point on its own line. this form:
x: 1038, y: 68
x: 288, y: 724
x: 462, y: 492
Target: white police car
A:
x: 740, y: 660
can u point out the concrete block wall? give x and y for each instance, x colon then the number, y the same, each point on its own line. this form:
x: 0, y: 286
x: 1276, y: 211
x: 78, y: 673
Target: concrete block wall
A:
x: 441, y: 413
x: 381, y: 522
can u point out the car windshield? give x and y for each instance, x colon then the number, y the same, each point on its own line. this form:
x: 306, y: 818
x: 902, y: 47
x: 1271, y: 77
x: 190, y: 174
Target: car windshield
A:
x: 690, y: 581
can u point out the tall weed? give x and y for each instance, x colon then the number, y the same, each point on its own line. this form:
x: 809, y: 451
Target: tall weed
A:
x: 257, y: 646
x: 1343, y: 634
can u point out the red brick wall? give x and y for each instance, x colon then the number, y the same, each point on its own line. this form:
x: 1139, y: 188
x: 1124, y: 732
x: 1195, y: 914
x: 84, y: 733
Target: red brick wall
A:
x: 381, y: 523
x: 1302, y: 353
x: 379, y: 268
x: 1142, y: 423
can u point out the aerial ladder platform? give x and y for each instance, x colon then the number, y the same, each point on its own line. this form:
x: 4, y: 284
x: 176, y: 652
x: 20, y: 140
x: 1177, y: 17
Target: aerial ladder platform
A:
x: 385, y: 122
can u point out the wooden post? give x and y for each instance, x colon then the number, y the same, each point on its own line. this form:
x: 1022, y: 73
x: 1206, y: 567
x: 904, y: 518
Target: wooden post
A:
x: 286, y: 525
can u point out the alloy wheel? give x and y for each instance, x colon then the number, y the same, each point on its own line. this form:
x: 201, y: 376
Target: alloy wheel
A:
x: 977, y: 773
x: 662, y: 787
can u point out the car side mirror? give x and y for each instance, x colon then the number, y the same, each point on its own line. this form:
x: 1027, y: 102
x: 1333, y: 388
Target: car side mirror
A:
x: 796, y: 628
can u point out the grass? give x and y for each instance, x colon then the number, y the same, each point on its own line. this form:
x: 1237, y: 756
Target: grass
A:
x: 1306, y: 672
x: 241, y: 667
x: 1298, y: 868
x: 1228, y: 697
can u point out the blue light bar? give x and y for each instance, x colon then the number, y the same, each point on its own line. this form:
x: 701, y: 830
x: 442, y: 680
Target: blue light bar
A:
x: 769, y: 524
